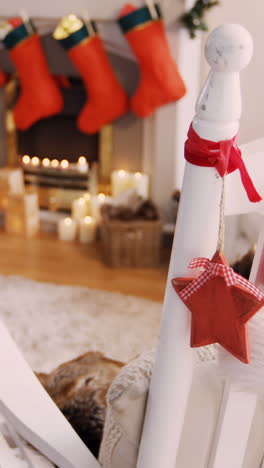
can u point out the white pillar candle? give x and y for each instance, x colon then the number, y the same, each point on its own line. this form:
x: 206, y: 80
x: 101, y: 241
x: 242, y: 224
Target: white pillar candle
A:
x: 87, y: 230
x: 67, y: 229
x: 87, y: 198
x: 96, y: 204
x: 22, y: 214
x: 123, y: 180
x: 13, y: 180
x: 120, y: 182
x: 141, y: 183
x: 79, y: 208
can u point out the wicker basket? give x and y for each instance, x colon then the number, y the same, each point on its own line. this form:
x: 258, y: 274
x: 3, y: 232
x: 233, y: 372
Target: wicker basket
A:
x: 131, y: 243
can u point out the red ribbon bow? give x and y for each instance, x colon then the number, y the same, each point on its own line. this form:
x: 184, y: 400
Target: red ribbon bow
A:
x: 225, y: 156
x: 214, y: 269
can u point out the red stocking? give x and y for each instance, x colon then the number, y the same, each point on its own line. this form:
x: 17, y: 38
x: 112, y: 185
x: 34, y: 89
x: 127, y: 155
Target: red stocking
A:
x: 106, y: 99
x: 160, y: 81
x: 40, y: 96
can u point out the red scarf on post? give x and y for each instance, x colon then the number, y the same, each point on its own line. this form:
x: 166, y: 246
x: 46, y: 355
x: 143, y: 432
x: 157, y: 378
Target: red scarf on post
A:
x: 225, y: 156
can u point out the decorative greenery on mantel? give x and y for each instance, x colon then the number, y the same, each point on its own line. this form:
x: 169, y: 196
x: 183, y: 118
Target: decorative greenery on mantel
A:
x: 194, y: 20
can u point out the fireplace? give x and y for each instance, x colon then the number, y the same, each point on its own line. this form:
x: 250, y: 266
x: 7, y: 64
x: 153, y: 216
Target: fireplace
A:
x: 149, y: 145
x: 55, y: 156
x: 49, y: 151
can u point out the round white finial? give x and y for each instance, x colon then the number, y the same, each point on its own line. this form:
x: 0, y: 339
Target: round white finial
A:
x: 229, y: 48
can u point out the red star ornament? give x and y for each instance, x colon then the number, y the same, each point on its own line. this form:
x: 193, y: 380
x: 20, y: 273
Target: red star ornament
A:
x: 221, y: 303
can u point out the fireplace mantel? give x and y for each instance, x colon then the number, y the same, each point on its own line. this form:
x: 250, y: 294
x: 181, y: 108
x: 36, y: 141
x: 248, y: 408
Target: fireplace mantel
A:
x: 102, y: 11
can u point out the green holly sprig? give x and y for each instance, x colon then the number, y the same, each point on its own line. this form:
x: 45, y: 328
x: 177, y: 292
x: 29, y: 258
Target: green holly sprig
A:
x: 193, y: 19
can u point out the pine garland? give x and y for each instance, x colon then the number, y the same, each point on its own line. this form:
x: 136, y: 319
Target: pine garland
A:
x: 193, y: 19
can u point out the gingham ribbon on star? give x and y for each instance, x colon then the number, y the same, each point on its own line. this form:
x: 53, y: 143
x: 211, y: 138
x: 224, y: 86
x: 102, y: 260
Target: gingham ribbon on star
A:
x: 212, y: 269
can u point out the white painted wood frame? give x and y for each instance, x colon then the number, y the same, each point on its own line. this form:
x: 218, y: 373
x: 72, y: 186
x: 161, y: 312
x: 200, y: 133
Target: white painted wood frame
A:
x: 228, y: 50
x: 34, y: 415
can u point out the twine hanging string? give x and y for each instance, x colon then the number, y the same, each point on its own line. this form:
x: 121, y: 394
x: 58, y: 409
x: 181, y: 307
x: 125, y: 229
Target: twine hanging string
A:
x: 221, y: 230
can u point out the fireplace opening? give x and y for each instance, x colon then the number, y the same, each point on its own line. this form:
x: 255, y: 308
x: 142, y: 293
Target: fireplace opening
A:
x: 58, y: 159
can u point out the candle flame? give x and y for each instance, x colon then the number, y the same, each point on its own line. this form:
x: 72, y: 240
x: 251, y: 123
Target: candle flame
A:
x: 35, y: 161
x: 88, y: 220
x: 45, y: 162
x: 54, y: 162
x: 26, y: 159
x: 64, y: 164
x: 67, y: 221
x: 82, y: 160
x: 101, y: 197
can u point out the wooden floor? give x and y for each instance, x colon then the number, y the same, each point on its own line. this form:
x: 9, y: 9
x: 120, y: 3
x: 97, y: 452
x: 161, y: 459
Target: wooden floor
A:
x: 47, y: 259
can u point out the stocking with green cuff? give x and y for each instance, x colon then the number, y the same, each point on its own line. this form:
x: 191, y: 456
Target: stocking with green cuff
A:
x: 106, y: 99
x: 160, y: 80
x: 40, y: 96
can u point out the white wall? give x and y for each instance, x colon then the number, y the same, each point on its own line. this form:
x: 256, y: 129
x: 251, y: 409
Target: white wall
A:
x: 97, y: 9
x: 249, y: 13
x: 50, y: 8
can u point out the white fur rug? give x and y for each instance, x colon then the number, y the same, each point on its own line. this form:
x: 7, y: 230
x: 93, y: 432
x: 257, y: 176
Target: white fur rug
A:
x: 52, y: 324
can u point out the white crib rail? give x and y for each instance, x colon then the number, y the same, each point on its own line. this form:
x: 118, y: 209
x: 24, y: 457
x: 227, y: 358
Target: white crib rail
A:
x: 33, y: 414
x: 228, y: 50
x: 238, y: 404
x: 15, y: 452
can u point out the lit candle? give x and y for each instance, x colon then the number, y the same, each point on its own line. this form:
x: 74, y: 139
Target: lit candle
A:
x: 22, y: 214
x: 87, y: 230
x: 123, y: 180
x: 54, y: 163
x: 82, y: 164
x: 96, y: 204
x: 45, y: 162
x: 67, y: 229
x: 26, y: 159
x: 35, y: 161
x: 101, y: 198
x: 64, y: 164
x: 120, y: 182
x: 79, y: 208
x: 87, y: 198
x: 141, y: 184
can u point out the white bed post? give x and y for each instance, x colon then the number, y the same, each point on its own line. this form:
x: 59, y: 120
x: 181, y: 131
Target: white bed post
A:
x: 228, y: 50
